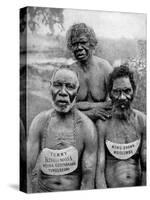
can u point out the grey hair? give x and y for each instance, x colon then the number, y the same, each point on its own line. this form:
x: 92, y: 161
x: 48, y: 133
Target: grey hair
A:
x: 67, y: 67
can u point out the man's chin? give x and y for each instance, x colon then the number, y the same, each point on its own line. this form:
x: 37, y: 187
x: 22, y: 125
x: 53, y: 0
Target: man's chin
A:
x: 62, y: 109
x: 65, y: 108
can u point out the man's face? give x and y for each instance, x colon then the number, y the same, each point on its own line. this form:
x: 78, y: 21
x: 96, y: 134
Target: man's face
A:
x: 122, y: 94
x: 81, y: 47
x: 64, y: 90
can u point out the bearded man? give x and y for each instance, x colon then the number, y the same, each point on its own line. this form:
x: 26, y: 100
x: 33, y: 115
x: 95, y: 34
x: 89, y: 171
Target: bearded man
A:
x: 93, y: 72
x: 63, y: 140
x: 122, y: 139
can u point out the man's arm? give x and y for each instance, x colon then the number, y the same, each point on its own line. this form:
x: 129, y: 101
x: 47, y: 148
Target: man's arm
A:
x: 100, y: 176
x: 33, y: 148
x: 143, y: 152
x: 89, y: 156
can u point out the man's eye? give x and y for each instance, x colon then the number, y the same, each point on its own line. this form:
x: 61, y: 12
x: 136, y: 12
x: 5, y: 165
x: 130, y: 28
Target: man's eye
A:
x: 73, y: 44
x: 127, y: 91
x: 116, y: 92
x: 56, y: 84
x: 70, y: 87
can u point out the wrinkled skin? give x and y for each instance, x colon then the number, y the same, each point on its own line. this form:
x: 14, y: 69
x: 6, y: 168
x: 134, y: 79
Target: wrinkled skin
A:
x: 64, y: 90
x: 126, y: 126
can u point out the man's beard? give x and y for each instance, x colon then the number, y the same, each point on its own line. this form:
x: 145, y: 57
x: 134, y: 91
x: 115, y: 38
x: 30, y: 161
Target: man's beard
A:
x: 122, y: 114
x: 62, y: 109
x: 122, y: 110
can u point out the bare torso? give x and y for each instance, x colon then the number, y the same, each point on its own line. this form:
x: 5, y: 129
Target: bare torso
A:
x: 61, y: 135
x: 93, y: 80
x: 122, y: 144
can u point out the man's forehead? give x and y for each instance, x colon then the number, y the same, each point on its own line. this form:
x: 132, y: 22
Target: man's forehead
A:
x: 123, y: 82
x: 65, y: 75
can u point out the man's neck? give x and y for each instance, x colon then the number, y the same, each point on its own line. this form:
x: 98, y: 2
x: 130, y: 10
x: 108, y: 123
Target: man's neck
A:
x: 64, y: 115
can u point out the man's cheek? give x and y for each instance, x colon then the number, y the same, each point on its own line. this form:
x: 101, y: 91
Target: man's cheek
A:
x: 54, y: 94
x: 130, y: 97
x: 72, y: 96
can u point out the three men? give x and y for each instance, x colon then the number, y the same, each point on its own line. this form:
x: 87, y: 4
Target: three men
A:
x: 93, y: 72
x: 122, y: 139
x: 63, y: 140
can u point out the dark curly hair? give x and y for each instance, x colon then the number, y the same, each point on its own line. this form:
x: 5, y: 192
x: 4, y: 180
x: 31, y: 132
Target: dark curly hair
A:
x: 119, y: 72
x: 77, y: 29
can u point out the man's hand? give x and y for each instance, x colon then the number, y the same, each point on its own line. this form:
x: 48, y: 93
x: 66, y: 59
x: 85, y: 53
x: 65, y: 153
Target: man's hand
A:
x: 100, y: 112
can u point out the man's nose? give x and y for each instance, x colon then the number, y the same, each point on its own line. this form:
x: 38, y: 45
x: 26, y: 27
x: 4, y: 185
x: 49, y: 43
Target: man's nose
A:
x: 63, y: 92
x: 122, y: 96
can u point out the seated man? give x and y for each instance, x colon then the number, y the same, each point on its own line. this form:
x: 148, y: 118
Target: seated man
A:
x: 93, y: 72
x: 122, y: 139
x: 63, y: 140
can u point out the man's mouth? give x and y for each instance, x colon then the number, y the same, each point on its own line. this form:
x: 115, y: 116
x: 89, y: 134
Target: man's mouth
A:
x: 122, y: 105
x: 62, y: 102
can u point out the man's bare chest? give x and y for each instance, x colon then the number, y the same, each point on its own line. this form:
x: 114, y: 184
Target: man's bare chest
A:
x: 60, y: 134
x: 123, y: 132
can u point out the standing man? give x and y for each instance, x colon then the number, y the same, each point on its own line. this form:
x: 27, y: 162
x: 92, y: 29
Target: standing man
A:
x: 63, y: 140
x: 122, y: 139
x: 93, y: 72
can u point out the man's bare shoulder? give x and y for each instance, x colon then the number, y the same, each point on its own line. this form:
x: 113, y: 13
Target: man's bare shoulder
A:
x: 39, y: 121
x: 141, y: 117
x: 139, y: 113
x: 43, y: 115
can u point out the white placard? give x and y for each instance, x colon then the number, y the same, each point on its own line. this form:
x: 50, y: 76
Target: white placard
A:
x: 123, y: 151
x: 59, y: 162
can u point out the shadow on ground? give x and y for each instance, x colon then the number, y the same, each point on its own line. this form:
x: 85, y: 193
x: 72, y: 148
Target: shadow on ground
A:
x: 14, y: 186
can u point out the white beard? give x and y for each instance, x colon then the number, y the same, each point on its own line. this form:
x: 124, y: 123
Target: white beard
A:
x: 65, y: 109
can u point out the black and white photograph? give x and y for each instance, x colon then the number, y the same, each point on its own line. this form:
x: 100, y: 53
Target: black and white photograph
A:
x: 82, y: 99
